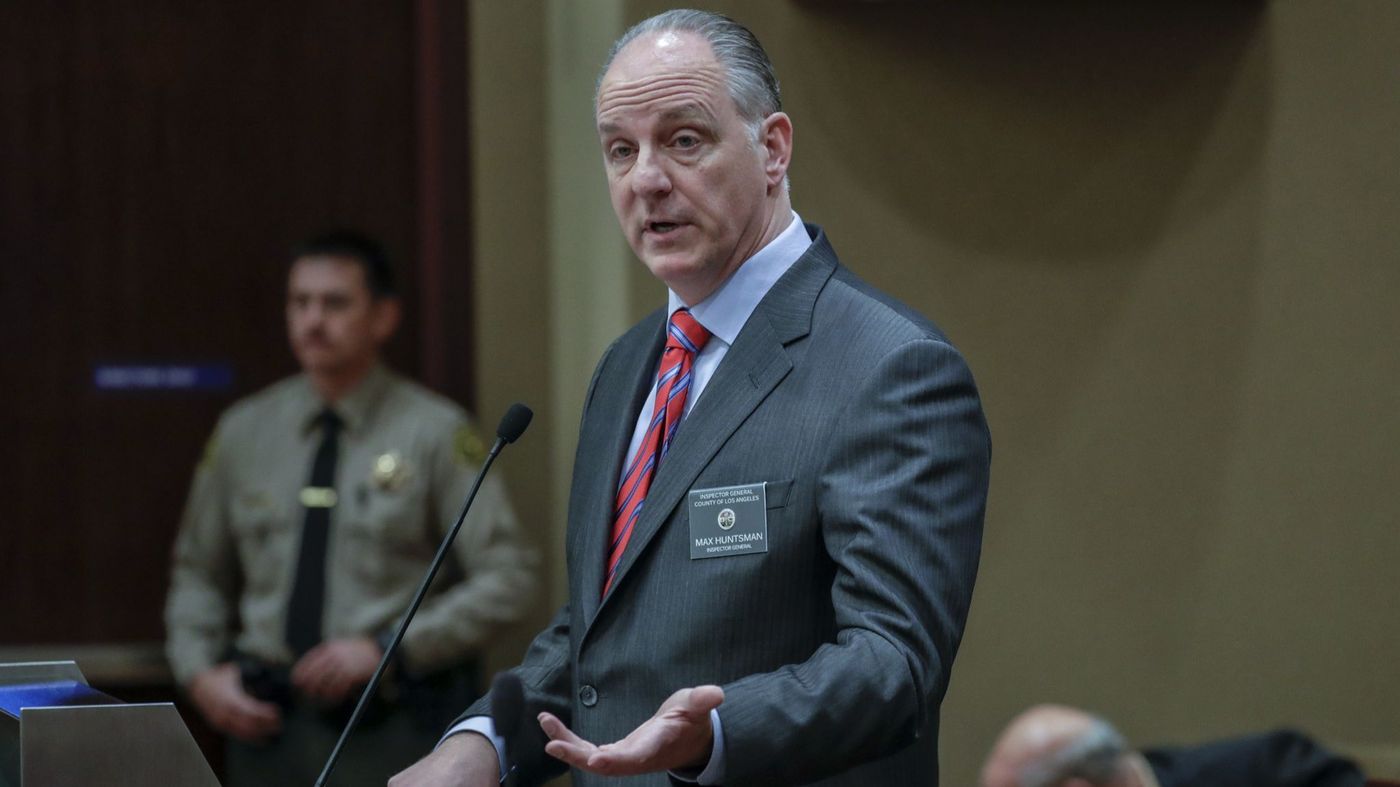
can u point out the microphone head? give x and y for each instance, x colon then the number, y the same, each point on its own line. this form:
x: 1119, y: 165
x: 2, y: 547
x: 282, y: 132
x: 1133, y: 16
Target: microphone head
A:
x: 513, y: 423
x: 508, y: 697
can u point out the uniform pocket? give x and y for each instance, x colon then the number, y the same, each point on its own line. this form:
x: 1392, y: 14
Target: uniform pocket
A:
x: 388, y: 535
x: 264, y: 538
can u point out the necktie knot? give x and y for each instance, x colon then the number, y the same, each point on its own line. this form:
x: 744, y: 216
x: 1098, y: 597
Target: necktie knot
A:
x: 685, y: 332
x: 329, y: 421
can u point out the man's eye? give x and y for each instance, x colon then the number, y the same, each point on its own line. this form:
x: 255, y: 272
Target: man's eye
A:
x: 619, y: 152
x: 685, y: 141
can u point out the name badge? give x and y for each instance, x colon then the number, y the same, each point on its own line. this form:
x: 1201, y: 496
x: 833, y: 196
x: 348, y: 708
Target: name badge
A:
x: 728, y: 521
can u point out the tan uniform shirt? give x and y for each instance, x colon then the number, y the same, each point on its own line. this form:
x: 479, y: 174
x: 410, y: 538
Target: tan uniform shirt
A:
x: 406, y: 460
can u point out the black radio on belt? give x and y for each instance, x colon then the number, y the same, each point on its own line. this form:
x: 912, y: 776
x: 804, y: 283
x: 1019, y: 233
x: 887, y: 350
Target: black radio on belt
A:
x: 267, y: 682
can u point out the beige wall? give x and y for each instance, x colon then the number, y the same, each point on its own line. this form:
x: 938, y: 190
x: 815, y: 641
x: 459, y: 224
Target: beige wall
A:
x: 510, y: 248
x: 1167, y: 241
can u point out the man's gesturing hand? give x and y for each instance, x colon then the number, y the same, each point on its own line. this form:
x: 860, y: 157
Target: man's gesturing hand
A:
x: 677, y: 737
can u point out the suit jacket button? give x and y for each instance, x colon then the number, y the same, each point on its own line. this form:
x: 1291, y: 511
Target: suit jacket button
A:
x: 588, y: 696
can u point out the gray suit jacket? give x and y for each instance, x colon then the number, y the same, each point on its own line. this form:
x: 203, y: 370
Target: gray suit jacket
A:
x: 834, y: 648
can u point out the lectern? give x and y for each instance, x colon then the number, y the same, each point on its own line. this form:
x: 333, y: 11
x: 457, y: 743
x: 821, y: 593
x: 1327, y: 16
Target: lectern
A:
x: 57, y: 731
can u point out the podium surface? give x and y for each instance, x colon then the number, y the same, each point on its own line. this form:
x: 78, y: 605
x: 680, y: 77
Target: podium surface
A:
x: 57, y: 731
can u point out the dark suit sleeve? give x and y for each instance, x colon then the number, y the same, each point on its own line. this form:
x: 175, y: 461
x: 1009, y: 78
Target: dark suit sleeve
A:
x: 901, y: 500
x: 546, y: 677
x: 1282, y: 758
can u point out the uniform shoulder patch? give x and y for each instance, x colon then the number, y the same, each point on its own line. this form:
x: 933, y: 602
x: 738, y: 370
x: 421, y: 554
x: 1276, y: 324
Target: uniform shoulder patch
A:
x: 467, y: 446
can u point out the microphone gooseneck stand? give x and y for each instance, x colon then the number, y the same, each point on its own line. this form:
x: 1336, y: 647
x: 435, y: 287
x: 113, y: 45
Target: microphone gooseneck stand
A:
x: 513, y: 424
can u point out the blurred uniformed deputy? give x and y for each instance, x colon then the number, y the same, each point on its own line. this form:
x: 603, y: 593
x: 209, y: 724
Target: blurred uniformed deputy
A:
x: 313, y: 515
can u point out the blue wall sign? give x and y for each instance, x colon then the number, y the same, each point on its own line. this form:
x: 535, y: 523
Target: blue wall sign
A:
x: 163, y: 377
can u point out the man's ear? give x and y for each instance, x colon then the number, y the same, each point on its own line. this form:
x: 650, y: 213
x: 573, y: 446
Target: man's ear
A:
x: 387, y: 312
x: 776, y: 136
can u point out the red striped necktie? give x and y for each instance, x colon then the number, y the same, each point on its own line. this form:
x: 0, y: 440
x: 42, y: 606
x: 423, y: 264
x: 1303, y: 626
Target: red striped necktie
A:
x: 684, y: 339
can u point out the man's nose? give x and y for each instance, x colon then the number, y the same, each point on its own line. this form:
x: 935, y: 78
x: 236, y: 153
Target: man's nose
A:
x: 314, y: 313
x: 649, y: 177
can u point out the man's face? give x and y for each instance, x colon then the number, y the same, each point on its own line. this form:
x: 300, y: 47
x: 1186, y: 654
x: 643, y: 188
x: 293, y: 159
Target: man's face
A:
x: 335, y: 326
x: 693, y: 190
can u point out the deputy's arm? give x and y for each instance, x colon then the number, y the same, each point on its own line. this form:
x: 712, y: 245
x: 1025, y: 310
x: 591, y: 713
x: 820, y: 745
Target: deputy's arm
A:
x: 499, y: 570
x: 199, y: 611
x: 205, y: 578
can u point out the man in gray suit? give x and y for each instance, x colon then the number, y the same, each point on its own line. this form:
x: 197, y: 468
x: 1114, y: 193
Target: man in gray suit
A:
x: 777, y: 501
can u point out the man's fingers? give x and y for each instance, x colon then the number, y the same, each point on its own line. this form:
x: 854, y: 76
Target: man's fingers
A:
x: 337, y: 689
x: 563, y: 743
x: 328, y: 680
x: 318, y: 673
x: 310, y: 666
x: 252, y: 719
x: 558, y: 731
x: 570, y: 754
x: 627, y: 757
x: 302, y: 674
x: 234, y: 711
x: 250, y: 730
x: 257, y: 710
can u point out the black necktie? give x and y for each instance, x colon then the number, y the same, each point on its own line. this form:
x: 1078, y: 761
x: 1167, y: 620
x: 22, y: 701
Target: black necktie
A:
x: 309, y: 588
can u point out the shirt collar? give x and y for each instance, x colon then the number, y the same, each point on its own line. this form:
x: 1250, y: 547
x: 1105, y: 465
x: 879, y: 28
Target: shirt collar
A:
x: 353, y: 408
x: 727, y: 309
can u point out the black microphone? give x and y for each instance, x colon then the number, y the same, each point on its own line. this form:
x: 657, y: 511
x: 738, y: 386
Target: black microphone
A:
x: 508, y: 714
x: 514, y: 422
x: 512, y: 425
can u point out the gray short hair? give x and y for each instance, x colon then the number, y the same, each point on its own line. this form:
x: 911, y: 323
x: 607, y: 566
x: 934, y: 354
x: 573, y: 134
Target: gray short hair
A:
x: 752, y: 83
x: 1096, y: 756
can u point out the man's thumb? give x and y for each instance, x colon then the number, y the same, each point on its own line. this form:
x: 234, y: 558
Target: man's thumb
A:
x: 704, y: 699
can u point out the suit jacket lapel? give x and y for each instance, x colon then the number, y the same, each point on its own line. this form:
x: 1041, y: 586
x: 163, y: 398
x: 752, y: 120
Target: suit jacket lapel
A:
x: 596, y: 476
x: 752, y: 368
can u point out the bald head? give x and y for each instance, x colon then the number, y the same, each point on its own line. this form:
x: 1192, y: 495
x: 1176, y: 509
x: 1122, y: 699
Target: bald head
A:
x: 746, y: 69
x: 1059, y: 746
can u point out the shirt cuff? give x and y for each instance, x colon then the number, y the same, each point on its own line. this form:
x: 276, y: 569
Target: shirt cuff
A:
x: 484, y: 725
x: 714, y: 769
